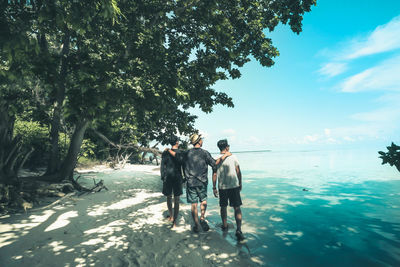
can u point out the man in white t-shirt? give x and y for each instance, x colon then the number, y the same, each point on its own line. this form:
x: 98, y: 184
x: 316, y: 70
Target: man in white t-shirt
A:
x: 229, y: 186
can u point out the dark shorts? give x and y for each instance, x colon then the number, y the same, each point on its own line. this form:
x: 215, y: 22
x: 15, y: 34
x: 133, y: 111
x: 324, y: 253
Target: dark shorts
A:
x: 172, y: 185
x: 194, y: 194
x: 233, y: 194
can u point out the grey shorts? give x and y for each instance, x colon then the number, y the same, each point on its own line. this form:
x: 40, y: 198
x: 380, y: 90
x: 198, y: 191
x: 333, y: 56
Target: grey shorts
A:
x: 196, y: 193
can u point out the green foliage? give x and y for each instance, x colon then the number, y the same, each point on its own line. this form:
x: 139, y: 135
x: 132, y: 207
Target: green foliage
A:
x: 33, y: 135
x: 88, y: 149
x: 36, y: 136
x: 392, y: 156
x: 131, y: 68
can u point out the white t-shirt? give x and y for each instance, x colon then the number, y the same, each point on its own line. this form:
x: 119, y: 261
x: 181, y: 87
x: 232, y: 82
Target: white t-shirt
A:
x: 226, y: 173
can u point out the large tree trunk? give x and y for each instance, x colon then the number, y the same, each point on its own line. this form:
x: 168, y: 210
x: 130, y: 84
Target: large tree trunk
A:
x: 12, y: 156
x: 70, y: 160
x: 54, y: 159
x: 8, y: 146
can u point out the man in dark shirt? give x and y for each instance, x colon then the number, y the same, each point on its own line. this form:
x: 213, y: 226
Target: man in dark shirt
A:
x: 171, y: 175
x: 196, y: 162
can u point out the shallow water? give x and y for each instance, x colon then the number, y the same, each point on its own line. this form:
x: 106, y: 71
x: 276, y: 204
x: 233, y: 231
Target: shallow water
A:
x: 318, y: 208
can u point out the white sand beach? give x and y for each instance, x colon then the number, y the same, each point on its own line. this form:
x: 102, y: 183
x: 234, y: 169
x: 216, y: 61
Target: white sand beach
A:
x: 124, y: 226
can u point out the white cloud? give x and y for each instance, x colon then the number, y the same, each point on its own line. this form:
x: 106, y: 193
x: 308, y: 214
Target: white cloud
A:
x: 360, y: 131
x: 311, y: 138
x: 332, y: 69
x: 385, y: 76
x: 348, y: 138
x: 252, y: 141
x: 327, y: 132
x: 229, y: 132
x: 383, y: 39
x: 386, y: 114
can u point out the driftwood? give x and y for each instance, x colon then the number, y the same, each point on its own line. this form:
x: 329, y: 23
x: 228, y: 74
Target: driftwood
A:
x: 28, y: 192
x: 123, y: 153
x: 96, y: 188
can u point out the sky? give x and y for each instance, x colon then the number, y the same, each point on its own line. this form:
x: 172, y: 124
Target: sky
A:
x: 334, y: 86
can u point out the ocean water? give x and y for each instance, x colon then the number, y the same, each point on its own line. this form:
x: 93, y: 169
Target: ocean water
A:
x: 317, y: 208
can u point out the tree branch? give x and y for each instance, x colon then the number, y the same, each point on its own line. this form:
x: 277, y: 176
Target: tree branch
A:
x: 131, y: 146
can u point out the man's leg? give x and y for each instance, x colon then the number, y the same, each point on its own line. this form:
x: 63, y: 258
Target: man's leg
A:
x: 169, y: 205
x: 195, y: 217
x: 223, y: 203
x: 203, y: 208
x: 176, y: 209
x: 224, y: 218
x: 238, y: 218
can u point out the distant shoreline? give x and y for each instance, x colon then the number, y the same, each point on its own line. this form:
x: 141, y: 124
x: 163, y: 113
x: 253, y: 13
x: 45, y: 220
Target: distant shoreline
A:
x: 247, y: 151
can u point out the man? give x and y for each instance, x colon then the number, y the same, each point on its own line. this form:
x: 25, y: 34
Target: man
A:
x: 171, y: 174
x: 229, y: 186
x: 196, y: 162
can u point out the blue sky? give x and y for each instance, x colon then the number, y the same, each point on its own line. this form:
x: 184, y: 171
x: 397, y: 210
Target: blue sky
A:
x: 336, y: 85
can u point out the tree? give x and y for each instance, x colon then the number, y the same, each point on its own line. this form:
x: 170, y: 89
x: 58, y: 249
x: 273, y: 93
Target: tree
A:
x: 392, y: 156
x: 145, y: 62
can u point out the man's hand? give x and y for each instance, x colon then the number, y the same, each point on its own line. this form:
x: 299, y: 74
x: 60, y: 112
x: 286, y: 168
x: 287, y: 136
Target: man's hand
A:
x: 226, y: 154
x: 215, y: 191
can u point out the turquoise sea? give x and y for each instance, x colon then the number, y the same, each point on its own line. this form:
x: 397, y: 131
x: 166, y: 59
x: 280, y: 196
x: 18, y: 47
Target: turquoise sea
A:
x: 318, y: 208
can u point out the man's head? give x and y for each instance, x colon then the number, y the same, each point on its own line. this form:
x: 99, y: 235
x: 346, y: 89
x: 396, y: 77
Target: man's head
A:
x: 174, y: 141
x: 223, y: 144
x: 196, y: 139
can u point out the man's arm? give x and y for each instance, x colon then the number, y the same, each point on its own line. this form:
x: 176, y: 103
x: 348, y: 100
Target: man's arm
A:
x: 221, y: 159
x: 173, y: 153
x: 214, y: 180
x: 162, y: 168
x: 239, y: 175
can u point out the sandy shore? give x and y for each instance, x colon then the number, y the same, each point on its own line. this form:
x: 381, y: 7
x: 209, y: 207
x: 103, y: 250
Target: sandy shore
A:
x: 124, y: 226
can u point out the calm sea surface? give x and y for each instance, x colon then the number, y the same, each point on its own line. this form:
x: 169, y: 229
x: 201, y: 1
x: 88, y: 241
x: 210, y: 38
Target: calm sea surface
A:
x: 318, y: 208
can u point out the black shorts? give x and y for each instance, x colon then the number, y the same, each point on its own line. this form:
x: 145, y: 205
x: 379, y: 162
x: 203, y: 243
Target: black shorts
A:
x: 172, y: 185
x: 233, y: 194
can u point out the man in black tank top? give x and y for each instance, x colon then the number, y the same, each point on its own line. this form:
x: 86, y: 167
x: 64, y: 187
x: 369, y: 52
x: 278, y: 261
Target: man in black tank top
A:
x: 171, y: 175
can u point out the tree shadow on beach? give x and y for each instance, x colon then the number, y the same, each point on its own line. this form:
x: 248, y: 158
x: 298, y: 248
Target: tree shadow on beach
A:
x: 119, y: 231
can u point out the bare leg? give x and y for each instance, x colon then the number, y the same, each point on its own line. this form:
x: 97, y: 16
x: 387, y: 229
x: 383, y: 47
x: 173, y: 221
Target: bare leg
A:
x: 203, y: 208
x: 224, y: 217
x: 176, y: 210
x: 195, y: 216
x: 169, y: 205
x: 238, y: 218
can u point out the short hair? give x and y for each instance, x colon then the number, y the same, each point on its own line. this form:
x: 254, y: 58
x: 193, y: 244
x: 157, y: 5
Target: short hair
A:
x: 173, y: 140
x: 222, y: 144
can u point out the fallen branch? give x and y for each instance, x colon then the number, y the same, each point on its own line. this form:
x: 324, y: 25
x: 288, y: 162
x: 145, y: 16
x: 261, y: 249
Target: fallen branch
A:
x: 96, y: 188
x: 127, y: 146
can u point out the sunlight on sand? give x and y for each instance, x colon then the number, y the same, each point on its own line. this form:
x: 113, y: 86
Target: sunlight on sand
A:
x: 10, y: 232
x: 62, y: 220
x: 125, y: 226
x: 108, y: 229
x: 150, y: 215
x: 140, y: 197
x: 57, y: 246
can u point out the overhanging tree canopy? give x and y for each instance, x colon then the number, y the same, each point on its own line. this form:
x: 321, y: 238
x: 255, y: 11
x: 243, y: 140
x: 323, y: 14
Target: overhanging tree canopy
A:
x: 145, y: 61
